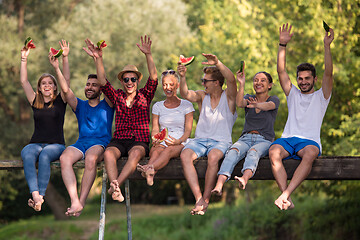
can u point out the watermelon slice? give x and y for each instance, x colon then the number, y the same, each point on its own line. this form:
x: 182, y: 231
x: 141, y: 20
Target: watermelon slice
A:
x: 161, y: 136
x: 101, y: 44
x: 56, y: 53
x: 326, y: 27
x: 242, y: 66
x: 29, y: 43
x: 186, y: 61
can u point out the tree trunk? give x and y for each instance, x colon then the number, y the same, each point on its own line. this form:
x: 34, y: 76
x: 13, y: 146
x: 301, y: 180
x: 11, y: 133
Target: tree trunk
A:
x: 20, y: 7
x: 56, y: 202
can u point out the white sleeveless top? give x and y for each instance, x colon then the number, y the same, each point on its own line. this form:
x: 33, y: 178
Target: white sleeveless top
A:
x: 215, y: 123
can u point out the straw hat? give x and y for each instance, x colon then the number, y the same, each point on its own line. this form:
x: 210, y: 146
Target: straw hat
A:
x: 130, y: 68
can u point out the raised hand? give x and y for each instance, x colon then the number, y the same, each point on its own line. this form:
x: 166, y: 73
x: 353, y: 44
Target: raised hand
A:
x: 285, y: 35
x: 92, y: 50
x: 53, y: 60
x: 240, y: 76
x: 211, y: 59
x: 329, y: 37
x: 145, y: 46
x: 252, y: 102
x: 181, y: 69
x: 65, y: 46
x: 24, y: 53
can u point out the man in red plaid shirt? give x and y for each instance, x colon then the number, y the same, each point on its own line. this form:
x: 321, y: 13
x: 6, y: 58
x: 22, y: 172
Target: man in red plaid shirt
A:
x: 131, y: 136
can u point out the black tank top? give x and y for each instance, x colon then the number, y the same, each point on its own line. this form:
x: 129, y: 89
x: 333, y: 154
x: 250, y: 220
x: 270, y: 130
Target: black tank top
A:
x: 49, y: 123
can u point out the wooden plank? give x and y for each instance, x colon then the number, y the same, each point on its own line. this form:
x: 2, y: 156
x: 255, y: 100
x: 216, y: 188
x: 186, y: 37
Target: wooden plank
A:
x: 329, y: 168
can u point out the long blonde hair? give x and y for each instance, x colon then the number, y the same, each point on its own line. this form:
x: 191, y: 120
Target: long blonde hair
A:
x: 39, y: 98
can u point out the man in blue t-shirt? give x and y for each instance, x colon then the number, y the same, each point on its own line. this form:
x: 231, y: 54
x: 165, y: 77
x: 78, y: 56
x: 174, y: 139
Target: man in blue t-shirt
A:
x: 95, y: 122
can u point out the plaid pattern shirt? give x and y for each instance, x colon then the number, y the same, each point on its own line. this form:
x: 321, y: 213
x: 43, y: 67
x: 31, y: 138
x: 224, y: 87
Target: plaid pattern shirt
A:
x: 132, y: 122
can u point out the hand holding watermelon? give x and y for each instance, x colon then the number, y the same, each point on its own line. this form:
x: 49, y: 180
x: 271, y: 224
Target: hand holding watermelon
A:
x: 91, y: 50
x: 65, y: 47
x: 53, y: 60
x: 161, y: 136
x: 101, y: 44
x: 211, y: 59
x: 24, y: 53
x: 29, y: 43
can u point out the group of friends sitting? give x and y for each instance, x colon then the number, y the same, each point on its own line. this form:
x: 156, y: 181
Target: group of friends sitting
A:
x: 131, y: 139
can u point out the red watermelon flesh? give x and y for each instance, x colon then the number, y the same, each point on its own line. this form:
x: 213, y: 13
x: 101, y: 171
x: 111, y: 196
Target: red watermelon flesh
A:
x: 186, y: 61
x: 56, y: 53
x: 29, y: 43
x: 101, y: 44
x: 161, y: 136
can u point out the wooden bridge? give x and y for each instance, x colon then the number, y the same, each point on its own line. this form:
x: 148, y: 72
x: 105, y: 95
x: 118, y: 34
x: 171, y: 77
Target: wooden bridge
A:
x: 324, y: 168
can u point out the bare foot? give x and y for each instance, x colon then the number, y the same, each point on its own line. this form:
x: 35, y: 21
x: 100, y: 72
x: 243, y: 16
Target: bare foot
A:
x: 149, y: 174
x: 284, y: 203
x: 74, y: 210
x: 115, y: 191
x: 141, y: 169
x: 242, y: 182
x: 200, y: 207
x: 36, y: 205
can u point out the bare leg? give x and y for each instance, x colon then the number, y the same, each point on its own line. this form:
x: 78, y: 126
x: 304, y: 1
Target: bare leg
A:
x: 187, y: 160
x: 111, y: 155
x: 219, y: 185
x: 159, y: 159
x: 67, y: 159
x: 244, y: 178
x: 308, y: 155
x: 92, y: 156
x: 276, y: 154
x: 211, y: 172
x: 135, y: 154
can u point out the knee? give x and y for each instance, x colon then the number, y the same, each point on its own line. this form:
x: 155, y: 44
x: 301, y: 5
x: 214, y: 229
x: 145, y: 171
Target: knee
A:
x: 185, y: 157
x: 213, y: 162
x: 109, y: 156
x: 253, y: 153
x: 65, y: 161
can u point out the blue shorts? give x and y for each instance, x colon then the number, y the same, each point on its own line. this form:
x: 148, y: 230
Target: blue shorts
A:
x: 84, y: 145
x: 294, y: 144
x: 202, y: 146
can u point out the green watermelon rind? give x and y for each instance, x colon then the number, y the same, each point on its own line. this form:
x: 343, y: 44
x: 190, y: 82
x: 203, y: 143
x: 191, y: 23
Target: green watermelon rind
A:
x: 57, y: 54
x: 326, y: 27
x: 156, y: 136
x: 242, y: 66
x: 99, y: 43
x: 188, y: 62
x: 27, y: 41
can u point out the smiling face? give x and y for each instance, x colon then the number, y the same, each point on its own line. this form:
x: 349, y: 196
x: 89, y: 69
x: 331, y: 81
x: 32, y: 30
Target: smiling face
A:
x: 261, y: 84
x: 170, y: 85
x: 92, y: 88
x: 47, y: 87
x: 130, y: 86
x: 306, y: 81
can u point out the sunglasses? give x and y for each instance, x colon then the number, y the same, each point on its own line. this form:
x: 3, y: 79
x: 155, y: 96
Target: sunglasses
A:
x: 133, y: 79
x: 207, y: 80
x: 172, y: 72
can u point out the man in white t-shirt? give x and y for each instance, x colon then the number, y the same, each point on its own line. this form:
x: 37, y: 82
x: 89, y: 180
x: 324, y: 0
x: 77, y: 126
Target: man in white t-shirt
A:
x: 306, y: 107
x: 213, y: 132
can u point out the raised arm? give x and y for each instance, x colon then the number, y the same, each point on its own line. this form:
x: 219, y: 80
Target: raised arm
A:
x: 66, y: 92
x: 65, y: 46
x: 228, y: 75
x: 284, y: 38
x: 29, y: 91
x: 327, y: 83
x: 240, y: 101
x: 96, y: 54
x: 190, y: 95
x: 145, y: 48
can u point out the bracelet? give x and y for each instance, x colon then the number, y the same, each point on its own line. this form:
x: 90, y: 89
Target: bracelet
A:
x: 283, y: 45
x: 23, y: 59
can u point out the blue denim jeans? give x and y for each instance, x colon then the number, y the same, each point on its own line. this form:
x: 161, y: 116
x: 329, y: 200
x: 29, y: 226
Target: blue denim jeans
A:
x: 244, y: 145
x: 44, y: 154
x: 202, y: 146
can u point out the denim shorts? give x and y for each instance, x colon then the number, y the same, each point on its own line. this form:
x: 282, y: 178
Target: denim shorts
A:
x: 84, y: 145
x: 202, y: 146
x: 294, y: 144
